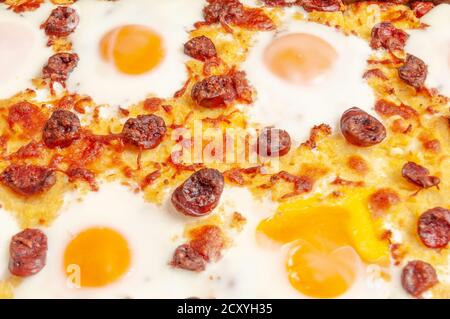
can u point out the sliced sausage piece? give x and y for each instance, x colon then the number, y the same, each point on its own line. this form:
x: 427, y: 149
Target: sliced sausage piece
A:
x: 433, y: 227
x: 61, y: 22
x: 61, y: 129
x: 221, y: 90
x: 413, y: 72
x: 385, y: 35
x: 59, y: 67
x: 421, y: 8
x: 213, y: 92
x: 200, y: 48
x: 419, y: 175
x: 273, y: 142
x: 361, y: 129
x: 200, y: 193
x: 417, y: 277
x: 186, y: 257
x: 144, y: 131
x: 28, y: 252
x: 321, y: 5
x: 28, y: 180
x: 233, y: 12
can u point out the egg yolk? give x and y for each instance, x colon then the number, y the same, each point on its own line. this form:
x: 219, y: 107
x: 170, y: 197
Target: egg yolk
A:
x: 327, y: 243
x: 101, y: 254
x: 299, y: 58
x: 134, y: 49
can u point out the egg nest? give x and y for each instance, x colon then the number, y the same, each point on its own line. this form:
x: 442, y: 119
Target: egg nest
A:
x: 326, y: 156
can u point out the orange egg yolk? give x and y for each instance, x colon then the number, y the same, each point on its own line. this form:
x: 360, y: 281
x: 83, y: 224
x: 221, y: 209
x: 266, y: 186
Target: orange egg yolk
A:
x: 327, y: 243
x: 299, y: 58
x: 133, y: 49
x: 101, y: 255
x: 321, y: 262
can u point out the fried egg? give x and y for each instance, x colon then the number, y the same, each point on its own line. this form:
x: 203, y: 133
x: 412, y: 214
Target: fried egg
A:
x: 23, y: 49
x: 432, y: 45
x: 115, y: 245
x: 130, y: 49
x: 306, y: 74
x: 331, y: 243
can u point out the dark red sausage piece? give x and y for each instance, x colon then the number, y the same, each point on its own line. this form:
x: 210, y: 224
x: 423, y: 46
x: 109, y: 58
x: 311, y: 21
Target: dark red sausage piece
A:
x: 321, y: 5
x: 273, y: 142
x: 234, y: 12
x: 28, y: 180
x: 186, y: 257
x: 28, y: 252
x: 144, y: 131
x: 417, y: 277
x: 200, y: 48
x: 61, y: 22
x: 59, y: 67
x: 215, y: 91
x: 221, y: 90
x: 200, y: 193
x: 433, y: 227
x: 61, y: 129
x: 361, y: 129
x: 419, y: 175
x: 385, y: 35
x: 413, y: 72
x: 208, y: 241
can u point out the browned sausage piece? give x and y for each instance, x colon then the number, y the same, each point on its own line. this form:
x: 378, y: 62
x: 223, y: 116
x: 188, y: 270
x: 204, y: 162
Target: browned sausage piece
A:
x: 200, y: 48
x: 200, y: 193
x: 413, y: 72
x: 61, y: 129
x: 28, y: 180
x: 144, y: 131
x: 321, y: 5
x: 28, y: 252
x: 273, y: 142
x: 419, y: 175
x: 61, y: 22
x: 434, y: 227
x: 221, y: 90
x: 215, y: 91
x: 186, y: 257
x: 382, y: 200
x: 234, y: 12
x: 385, y: 35
x: 205, y: 246
x: 59, y: 67
x: 361, y: 129
x: 417, y: 277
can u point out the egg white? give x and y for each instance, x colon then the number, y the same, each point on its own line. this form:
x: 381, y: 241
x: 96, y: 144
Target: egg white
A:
x: 23, y: 49
x: 99, y: 79
x: 297, y: 108
x: 432, y: 45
